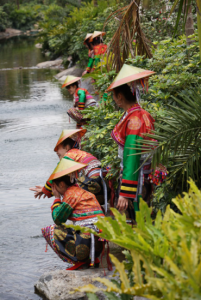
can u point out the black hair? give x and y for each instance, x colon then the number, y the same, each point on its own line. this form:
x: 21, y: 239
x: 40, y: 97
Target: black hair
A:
x: 74, y: 83
x: 97, y: 40
x: 65, y: 179
x: 89, y: 45
x: 126, y: 91
x: 71, y: 143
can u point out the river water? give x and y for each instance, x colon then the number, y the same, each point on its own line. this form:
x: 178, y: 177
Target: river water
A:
x: 32, y: 116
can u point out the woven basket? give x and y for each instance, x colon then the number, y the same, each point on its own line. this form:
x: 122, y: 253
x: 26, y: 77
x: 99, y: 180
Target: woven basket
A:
x: 75, y: 114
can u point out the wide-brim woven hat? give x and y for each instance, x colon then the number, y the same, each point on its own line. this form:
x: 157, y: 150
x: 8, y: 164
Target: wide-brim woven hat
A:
x: 69, y: 80
x: 87, y: 37
x: 65, y: 167
x: 96, y: 34
x: 129, y: 74
x: 75, y: 134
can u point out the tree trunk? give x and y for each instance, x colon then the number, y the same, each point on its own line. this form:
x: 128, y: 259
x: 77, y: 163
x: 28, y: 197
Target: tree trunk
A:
x: 18, y: 4
x: 198, y: 2
x: 189, y: 26
x: 95, y: 2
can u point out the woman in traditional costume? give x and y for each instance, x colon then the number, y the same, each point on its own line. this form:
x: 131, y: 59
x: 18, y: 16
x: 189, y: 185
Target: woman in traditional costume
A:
x: 78, y: 206
x: 82, y: 99
x: 90, y: 53
x: 89, y: 179
x: 134, y: 123
x: 98, y: 47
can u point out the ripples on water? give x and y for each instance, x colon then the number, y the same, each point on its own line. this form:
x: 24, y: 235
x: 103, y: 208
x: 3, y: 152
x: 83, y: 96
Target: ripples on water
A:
x: 32, y: 116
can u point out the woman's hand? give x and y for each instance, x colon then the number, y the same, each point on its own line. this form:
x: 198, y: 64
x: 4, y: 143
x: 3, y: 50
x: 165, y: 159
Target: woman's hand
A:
x: 85, y: 72
x: 54, y: 191
x: 122, y: 203
x: 38, y: 189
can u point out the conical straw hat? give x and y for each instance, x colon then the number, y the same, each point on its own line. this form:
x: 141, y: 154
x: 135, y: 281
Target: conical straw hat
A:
x: 97, y: 33
x: 128, y: 74
x: 65, y: 167
x: 76, y: 134
x: 69, y: 80
x: 87, y: 36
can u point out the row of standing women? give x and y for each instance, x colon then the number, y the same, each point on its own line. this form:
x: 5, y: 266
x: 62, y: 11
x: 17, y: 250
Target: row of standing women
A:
x: 76, y: 184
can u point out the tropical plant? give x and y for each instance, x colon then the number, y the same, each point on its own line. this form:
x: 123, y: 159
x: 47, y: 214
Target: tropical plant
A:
x: 178, y: 137
x: 121, y: 44
x: 163, y: 259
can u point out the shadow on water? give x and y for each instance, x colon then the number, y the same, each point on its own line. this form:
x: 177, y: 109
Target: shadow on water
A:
x: 32, y: 116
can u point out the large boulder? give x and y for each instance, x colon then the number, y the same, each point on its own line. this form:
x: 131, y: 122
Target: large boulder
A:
x: 50, y: 63
x: 75, y: 71
x: 57, y: 285
x: 88, y: 85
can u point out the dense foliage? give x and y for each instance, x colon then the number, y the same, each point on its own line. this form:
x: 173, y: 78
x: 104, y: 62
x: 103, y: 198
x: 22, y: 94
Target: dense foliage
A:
x: 163, y: 259
x: 4, y: 23
x: 24, y: 14
x: 177, y: 68
x: 25, y: 17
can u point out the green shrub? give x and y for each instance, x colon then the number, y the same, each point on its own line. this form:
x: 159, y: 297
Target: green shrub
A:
x: 177, y: 68
x: 22, y: 18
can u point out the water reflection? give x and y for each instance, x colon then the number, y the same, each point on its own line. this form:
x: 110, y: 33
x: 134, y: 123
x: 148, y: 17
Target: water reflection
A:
x: 32, y: 115
x: 19, y: 52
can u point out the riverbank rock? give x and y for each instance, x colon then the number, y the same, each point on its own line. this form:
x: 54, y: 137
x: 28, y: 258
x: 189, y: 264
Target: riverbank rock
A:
x: 75, y: 71
x: 50, y: 63
x: 57, y: 285
x: 10, y: 32
x: 38, y: 45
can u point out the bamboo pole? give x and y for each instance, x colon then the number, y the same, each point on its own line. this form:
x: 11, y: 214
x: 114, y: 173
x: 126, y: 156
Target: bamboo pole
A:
x: 199, y: 23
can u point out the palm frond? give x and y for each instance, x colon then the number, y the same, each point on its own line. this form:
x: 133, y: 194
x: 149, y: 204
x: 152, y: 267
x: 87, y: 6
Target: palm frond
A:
x: 121, y: 44
x: 179, y: 138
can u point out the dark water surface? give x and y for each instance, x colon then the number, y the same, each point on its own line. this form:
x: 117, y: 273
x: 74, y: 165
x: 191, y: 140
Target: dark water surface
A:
x: 32, y: 116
